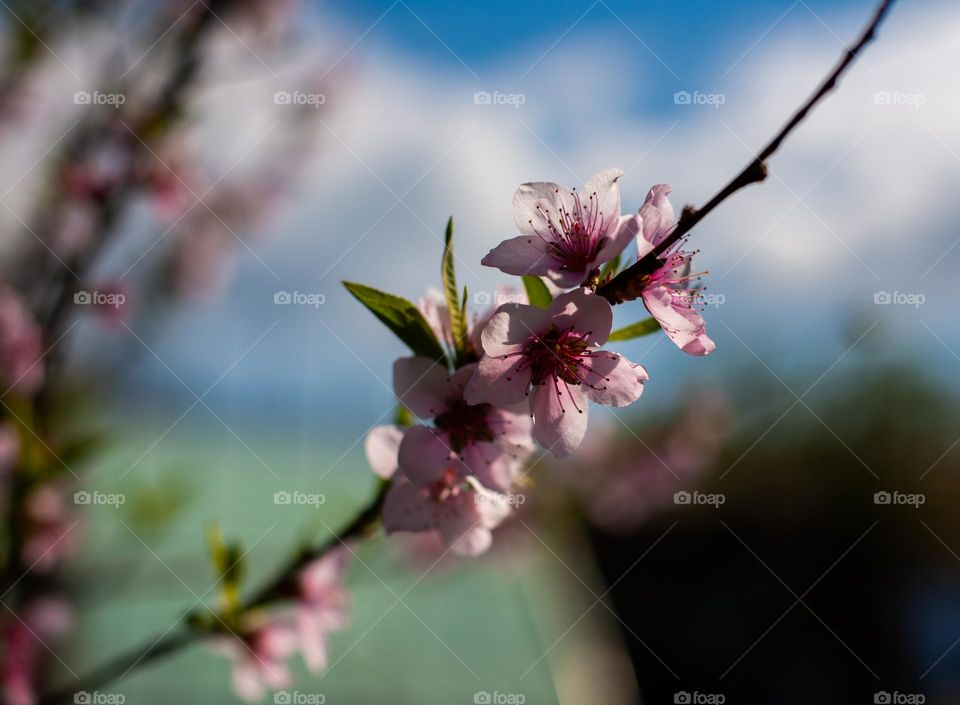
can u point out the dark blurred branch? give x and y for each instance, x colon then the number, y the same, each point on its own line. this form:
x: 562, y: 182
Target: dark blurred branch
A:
x: 628, y: 285
x: 281, y: 587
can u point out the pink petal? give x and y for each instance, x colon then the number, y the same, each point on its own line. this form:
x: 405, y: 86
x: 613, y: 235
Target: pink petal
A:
x: 658, y: 218
x: 607, y: 189
x: 617, y: 382
x: 531, y: 200
x: 560, y: 421
x: 585, y: 312
x: 625, y: 233
x: 422, y: 385
x: 511, y: 328
x: 313, y: 641
x: 381, y: 446
x: 424, y: 455
x: 499, y: 381
x: 521, y: 255
x: 246, y: 681
x: 407, y: 508
x: 682, y: 323
x: 493, y: 466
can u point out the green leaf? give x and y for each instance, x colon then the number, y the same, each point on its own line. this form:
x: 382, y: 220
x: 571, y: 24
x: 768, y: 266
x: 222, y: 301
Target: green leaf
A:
x: 400, y: 316
x: 636, y: 330
x: 537, y: 292
x: 403, y: 417
x: 458, y: 322
x: 610, y: 268
x: 228, y: 565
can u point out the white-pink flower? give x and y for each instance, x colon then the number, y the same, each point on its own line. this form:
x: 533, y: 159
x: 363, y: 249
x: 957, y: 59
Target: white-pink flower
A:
x: 322, y: 602
x: 491, y: 442
x: 666, y: 291
x: 382, y: 446
x: 565, y: 233
x: 450, y: 502
x: 551, y: 357
x: 260, y: 659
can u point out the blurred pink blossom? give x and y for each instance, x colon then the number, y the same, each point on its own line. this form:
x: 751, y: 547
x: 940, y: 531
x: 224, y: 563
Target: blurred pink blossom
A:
x: 21, y: 346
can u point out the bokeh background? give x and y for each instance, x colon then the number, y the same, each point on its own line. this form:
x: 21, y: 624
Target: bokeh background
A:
x: 837, y: 345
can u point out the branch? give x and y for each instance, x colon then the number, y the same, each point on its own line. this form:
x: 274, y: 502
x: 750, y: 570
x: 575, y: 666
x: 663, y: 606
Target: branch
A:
x: 282, y: 587
x: 627, y: 285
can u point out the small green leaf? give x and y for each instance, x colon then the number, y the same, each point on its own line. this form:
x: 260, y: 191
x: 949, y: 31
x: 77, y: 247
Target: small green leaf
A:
x: 458, y: 323
x: 400, y: 316
x: 403, y: 417
x: 228, y: 565
x: 610, y: 268
x: 537, y: 292
x: 636, y: 330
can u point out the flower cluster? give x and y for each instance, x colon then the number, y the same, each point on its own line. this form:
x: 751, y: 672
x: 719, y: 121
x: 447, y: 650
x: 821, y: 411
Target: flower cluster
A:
x: 525, y: 372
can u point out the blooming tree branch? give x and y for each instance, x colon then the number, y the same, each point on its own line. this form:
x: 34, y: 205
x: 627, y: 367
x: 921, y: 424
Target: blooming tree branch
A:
x: 479, y: 392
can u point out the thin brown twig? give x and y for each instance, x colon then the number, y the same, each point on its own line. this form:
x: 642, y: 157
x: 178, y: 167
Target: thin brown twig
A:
x: 627, y: 285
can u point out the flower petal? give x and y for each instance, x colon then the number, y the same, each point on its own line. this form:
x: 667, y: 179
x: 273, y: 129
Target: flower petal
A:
x: 522, y: 255
x: 585, y: 312
x: 681, y: 321
x: 381, y: 446
x: 657, y: 218
x: 625, y: 233
x: 511, y: 327
x: 422, y: 385
x: 604, y: 188
x: 560, y: 420
x: 616, y: 381
x: 499, y: 381
x: 424, y: 455
x: 407, y: 508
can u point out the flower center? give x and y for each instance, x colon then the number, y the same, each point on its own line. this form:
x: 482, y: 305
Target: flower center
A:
x: 465, y: 424
x: 572, y: 234
x: 557, y: 354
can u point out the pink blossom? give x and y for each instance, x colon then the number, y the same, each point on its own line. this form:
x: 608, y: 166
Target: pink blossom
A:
x: 321, y: 606
x: 552, y: 358
x: 491, y: 442
x: 450, y: 502
x: 50, y: 534
x: 23, y: 642
x: 21, y: 346
x: 259, y: 658
x: 666, y: 291
x: 565, y: 233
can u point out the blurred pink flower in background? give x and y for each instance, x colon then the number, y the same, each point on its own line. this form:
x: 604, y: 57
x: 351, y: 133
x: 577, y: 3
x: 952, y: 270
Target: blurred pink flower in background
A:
x: 322, y: 604
x: 21, y: 368
x: 23, y: 640
x: 260, y: 658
